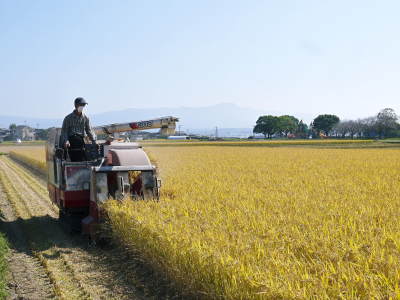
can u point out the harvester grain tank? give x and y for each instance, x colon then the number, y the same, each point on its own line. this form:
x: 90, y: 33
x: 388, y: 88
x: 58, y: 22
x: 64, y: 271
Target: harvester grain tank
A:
x: 113, y: 169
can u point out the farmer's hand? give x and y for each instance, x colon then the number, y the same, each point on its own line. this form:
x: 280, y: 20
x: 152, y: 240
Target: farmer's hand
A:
x: 67, y: 144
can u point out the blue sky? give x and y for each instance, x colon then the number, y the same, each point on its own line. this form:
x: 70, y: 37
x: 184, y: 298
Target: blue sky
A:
x: 339, y: 57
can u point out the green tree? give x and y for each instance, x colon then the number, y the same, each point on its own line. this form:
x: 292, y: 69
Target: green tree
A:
x: 267, y: 125
x: 287, y: 124
x: 42, y: 134
x: 13, y: 130
x: 325, y: 123
x: 386, y: 122
x: 302, y: 130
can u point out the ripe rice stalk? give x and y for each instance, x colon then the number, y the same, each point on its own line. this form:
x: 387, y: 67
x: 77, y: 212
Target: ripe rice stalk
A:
x: 31, y: 157
x: 267, y: 223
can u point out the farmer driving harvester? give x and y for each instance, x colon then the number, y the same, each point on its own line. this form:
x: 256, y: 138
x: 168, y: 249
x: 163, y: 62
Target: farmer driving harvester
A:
x: 115, y: 169
x: 74, y: 127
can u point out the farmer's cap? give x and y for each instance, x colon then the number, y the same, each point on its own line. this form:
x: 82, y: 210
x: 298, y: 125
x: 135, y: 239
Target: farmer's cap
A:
x: 80, y: 101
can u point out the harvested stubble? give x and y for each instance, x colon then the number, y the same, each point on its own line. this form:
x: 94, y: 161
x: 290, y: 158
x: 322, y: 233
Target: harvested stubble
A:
x: 250, y: 223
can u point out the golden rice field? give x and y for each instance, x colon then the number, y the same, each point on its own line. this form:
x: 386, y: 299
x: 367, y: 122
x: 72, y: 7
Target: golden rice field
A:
x: 34, y: 156
x: 271, y: 223
x: 272, y: 143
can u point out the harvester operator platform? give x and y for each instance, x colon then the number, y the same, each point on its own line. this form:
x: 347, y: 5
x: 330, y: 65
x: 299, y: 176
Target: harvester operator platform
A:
x: 74, y: 127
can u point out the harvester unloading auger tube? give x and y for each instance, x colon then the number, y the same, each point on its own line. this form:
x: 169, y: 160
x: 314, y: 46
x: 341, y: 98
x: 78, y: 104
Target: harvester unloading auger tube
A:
x: 112, y: 169
x: 167, y: 126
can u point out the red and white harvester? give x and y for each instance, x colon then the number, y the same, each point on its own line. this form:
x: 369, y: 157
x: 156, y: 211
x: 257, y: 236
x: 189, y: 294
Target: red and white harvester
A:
x: 113, y: 169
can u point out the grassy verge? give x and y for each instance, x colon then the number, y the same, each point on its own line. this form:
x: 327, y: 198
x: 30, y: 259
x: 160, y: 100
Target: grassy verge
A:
x: 3, y: 265
x: 393, y: 141
x: 3, y: 261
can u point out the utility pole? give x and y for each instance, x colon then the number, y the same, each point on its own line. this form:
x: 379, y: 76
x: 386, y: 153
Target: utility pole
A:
x: 216, y: 132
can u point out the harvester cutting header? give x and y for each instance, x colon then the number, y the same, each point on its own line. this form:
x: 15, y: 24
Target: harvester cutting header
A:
x: 110, y: 169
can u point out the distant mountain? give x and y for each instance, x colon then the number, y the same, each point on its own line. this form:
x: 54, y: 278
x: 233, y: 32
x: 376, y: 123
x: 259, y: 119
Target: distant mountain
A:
x: 227, y: 117
x: 5, y: 121
x: 221, y: 115
x: 222, y: 132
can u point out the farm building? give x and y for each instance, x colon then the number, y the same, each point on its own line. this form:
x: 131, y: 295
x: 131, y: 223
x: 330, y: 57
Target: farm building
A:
x: 179, y: 137
x: 25, y: 133
x: 3, y: 134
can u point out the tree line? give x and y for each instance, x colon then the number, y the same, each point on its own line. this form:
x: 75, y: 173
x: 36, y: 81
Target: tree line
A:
x: 383, y: 125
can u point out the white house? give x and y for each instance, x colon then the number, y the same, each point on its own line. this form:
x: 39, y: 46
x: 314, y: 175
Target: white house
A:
x: 25, y: 133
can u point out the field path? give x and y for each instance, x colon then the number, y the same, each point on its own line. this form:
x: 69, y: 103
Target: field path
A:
x: 46, y: 262
x: 27, y: 278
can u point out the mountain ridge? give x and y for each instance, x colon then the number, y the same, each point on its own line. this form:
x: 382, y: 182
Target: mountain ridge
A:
x: 222, y: 115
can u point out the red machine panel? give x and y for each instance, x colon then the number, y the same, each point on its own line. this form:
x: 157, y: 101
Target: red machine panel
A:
x: 75, y: 199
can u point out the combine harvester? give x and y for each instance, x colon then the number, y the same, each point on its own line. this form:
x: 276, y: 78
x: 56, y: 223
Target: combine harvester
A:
x: 113, y: 169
